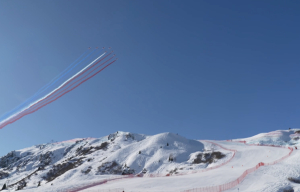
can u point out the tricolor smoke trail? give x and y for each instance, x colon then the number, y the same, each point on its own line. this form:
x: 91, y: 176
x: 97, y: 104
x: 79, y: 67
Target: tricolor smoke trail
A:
x: 48, y: 86
x: 40, y: 100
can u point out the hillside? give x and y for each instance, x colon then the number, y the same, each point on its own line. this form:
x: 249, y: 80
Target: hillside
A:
x: 77, y: 162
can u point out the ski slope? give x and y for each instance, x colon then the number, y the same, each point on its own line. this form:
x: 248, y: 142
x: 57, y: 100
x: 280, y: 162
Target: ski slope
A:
x: 246, y: 157
x: 142, y: 163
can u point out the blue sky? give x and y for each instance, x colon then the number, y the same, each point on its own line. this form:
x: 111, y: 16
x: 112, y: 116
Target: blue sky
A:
x: 202, y: 69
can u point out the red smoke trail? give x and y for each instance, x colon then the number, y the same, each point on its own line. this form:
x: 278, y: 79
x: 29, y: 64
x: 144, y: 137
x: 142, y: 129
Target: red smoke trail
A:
x: 63, y: 85
x: 26, y: 113
x: 52, y: 95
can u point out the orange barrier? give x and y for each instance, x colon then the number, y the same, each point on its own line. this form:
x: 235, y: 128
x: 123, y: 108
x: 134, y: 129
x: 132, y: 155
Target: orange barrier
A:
x: 237, y: 181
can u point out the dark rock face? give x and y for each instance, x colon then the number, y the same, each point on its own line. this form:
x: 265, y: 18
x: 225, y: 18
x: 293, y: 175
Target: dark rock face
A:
x: 88, y: 150
x: 112, y: 136
x: 129, y: 136
x: 294, y: 180
x: 60, y: 169
x: 45, y: 159
x: 87, y: 170
x: 114, y: 168
x: 3, y: 174
x: 208, y: 157
x: 296, y: 138
x: 21, y: 185
x: 297, y: 132
x: 9, y: 159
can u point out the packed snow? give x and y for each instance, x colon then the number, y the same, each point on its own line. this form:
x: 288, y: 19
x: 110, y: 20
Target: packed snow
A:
x: 162, y: 162
x: 65, y: 165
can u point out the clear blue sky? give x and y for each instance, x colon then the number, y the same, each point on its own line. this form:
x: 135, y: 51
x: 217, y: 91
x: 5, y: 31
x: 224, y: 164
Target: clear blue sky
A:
x: 202, y: 69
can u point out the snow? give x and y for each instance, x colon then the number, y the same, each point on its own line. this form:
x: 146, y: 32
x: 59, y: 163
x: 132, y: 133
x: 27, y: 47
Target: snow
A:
x: 149, y: 157
x: 245, y: 158
x: 279, y: 137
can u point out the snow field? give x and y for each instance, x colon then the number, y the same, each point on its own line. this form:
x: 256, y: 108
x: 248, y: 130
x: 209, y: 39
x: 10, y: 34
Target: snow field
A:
x: 139, y: 152
x: 246, y: 157
x: 149, y: 156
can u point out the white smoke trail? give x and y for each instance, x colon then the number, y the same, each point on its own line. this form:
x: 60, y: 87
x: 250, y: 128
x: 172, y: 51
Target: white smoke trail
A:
x: 68, y: 80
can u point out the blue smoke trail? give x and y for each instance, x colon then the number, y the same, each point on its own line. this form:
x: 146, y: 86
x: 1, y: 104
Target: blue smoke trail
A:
x: 44, y: 88
x: 41, y: 100
x: 66, y: 72
x: 48, y: 84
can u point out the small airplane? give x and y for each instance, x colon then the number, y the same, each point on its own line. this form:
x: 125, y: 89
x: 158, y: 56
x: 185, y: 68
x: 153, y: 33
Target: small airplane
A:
x: 109, y: 47
x: 117, y: 58
x: 112, y: 51
x: 97, y: 47
x: 89, y: 47
x: 103, y: 47
x: 114, y: 54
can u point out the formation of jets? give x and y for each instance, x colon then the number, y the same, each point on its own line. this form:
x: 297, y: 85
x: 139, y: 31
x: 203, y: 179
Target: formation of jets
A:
x: 105, y: 51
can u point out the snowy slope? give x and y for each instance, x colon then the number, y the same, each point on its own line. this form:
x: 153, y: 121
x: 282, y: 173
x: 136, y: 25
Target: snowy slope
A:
x: 76, y: 163
x: 279, y: 137
x: 272, y: 178
x: 65, y: 165
x: 245, y: 158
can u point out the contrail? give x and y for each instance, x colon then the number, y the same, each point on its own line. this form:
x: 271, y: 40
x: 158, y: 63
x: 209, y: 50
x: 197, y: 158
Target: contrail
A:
x: 54, y: 95
x: 67, y: 81
x: 45, y: 87
x: 22, y: 115
x: 62, y: 74
x: 50, y: 97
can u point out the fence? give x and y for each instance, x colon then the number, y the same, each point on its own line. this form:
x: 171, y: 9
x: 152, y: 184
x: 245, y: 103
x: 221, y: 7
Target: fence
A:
x: 198, y: 171
x: 237, y: 181
x: 106, y: 190
x: 155, y: 175
x: 218, y: 188
x: 100, y: 183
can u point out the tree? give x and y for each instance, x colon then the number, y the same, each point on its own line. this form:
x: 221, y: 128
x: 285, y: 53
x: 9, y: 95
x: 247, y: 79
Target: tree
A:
x: 4, y: 187
x: 171, y: 157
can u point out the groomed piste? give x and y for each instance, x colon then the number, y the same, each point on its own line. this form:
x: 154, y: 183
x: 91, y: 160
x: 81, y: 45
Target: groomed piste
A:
x: 130, y: 162
x: 246, y: 160
x: 89, y: 64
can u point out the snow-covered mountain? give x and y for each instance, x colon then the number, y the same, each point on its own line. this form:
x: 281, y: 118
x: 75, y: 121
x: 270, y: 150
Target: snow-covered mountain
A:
x: 280, y: 137
x: 280, y: 172
x: 63, y: 165
x: 164, y: 162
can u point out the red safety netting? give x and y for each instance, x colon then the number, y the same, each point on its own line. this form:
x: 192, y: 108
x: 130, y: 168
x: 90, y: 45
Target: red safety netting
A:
x: 197, y: 171
x: 217, y: 188
x: 237, y: 181
x: 154, y: 175
x: 76, y: 189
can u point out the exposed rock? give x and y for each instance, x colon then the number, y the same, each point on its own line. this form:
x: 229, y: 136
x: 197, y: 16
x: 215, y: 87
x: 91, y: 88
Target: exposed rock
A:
x: 88, y: 150
x: 87, y: 170
x: 8, y: 159
x: 21, y: 185
x: 207, y: 157
x: 3, y: 174
x: 114, y: 168
x: 60, y: 169
x: 45, y: 159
